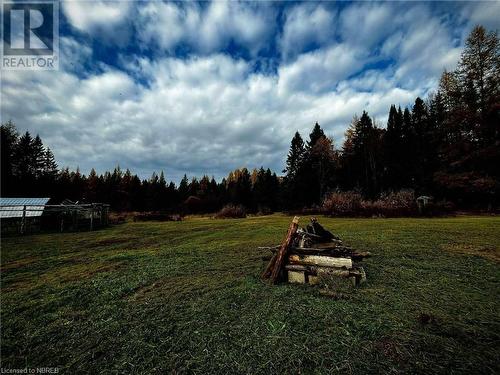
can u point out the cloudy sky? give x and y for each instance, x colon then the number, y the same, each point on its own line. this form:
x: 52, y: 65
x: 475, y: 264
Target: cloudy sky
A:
x: 203, y: 88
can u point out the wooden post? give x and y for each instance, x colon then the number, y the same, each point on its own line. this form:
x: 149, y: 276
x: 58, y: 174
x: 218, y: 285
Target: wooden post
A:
x: 23, y: 220
x: 274, y: 267
x: 92, y: 217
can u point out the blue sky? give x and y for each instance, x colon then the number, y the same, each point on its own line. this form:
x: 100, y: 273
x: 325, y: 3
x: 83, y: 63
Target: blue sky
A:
x: 203, y: 88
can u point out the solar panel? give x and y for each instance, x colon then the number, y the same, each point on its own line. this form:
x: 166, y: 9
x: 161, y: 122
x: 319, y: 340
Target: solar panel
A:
x: 13, y: 207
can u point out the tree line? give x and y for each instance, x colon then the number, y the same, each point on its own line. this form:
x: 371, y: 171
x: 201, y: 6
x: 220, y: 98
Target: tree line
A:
x: 29, y: 169
x: 447, y: 146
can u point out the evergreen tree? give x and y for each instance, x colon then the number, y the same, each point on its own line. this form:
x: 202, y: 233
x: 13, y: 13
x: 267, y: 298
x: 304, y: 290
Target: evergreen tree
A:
x: 184, y: 188
x: 324, y: 163
x: 38, y: 156
x: 92, y: 187
x: 8, y: 138
x: 295, y: 156
x: 394, y: 148
x: 316, y: 134
x: 362, y: 155
x: 49, y: 163
x: 479, y: 72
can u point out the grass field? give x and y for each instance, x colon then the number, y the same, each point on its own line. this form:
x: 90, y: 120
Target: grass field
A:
x: 186, y: 296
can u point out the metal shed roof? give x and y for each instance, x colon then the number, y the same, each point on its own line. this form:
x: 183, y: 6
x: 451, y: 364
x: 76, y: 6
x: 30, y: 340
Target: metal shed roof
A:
x: 13, y: 207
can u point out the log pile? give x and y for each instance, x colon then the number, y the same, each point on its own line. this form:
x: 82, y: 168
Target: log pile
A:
x: 308, y: 255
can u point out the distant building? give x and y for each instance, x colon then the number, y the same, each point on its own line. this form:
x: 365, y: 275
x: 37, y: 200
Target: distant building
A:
x: 25, y: 215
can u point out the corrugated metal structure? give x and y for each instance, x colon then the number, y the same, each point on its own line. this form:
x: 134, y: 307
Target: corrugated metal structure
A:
x: 24, y: 215
x: 17, y: 207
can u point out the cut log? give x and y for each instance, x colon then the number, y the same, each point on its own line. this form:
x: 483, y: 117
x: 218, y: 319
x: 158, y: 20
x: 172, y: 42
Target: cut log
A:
x: 316, y: 260
x: 274, y: 267
x: 281, y: 255
x: 334, y: 251
x: 317, y: 270
x: 296, y: 277
x: 269, y: 269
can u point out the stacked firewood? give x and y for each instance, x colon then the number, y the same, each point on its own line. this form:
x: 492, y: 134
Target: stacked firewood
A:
x: 308, y: 255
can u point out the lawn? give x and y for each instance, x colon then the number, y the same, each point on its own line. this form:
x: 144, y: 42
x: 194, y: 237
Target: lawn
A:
x: 186, y: 297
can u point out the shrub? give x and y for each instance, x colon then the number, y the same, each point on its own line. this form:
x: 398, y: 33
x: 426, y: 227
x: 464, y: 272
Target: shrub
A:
x: 398, y: 203
x: 343, y: 204
x: 231, y: 212
x: 264, y: 210
x: 350, y: 203
x: 118, y: 217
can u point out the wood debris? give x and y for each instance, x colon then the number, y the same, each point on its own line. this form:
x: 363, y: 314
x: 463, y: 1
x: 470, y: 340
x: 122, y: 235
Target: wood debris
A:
x: 307, y: 255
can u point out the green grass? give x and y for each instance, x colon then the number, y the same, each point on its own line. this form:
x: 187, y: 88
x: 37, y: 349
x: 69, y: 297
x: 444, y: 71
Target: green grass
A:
x: 186, y: 296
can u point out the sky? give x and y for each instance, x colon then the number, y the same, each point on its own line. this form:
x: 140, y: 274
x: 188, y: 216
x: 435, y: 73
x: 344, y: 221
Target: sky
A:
x: 204, y: 88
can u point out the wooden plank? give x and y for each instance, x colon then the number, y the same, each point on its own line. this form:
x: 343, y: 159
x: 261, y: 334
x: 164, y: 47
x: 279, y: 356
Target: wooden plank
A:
x: 276, y: 264
x: 316, y: 260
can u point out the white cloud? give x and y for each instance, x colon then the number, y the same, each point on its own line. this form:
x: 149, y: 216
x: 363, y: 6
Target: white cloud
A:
x: 322, y: 69
x: 210, y: 112
x: 88, y: 15
x: 306, y: 25
x: 485, y: 13
x: 202, y: 115
x: 366, y: 24
x: 106, y: 21
x: 205, y: 29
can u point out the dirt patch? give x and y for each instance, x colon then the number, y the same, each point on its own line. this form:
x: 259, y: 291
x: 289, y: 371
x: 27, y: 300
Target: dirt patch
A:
x: 79, y: 271
x: 113, y: 241
x: 185, y: 286
x: 488, y: 252
x: 19, y: 263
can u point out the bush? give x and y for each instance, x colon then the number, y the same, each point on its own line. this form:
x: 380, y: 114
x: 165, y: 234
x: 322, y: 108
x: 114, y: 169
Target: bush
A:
x: 398, y: 203
x: 343, y: 204
x: 350, y: 203
x: 231, y: 212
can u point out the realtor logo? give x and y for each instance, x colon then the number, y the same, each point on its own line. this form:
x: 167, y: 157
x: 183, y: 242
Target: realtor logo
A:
x: 30, y: 34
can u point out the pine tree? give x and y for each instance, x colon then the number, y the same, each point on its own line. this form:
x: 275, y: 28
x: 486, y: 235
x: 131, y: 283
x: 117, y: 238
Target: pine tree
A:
x: 24, y: 167
x: 92, y: 187
x: 8, y: 138
x: 295, y: 156
x: 479, y: 67
x: 362, y: 155
x: 184, y: 188
x: 324, y: 164
x: 38, y: 156
x: 393, y: 148
x: 316, y: 134
x: 422, y: 140
x: 49, y: 163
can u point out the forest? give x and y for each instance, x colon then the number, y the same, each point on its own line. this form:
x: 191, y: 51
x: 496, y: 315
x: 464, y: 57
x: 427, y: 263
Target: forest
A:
x: 446, y: 145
